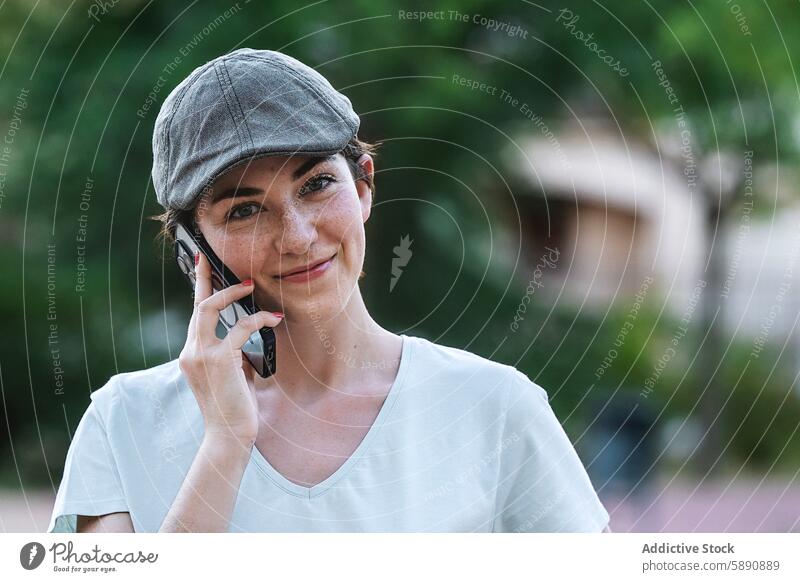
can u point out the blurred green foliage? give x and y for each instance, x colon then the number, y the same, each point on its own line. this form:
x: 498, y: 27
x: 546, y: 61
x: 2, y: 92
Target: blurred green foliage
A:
x: 87, y: 78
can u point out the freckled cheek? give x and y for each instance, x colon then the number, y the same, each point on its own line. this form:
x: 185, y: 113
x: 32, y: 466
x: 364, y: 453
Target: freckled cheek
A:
x: 353, y: 233
x: 243, y: 257
x: 338, y: 226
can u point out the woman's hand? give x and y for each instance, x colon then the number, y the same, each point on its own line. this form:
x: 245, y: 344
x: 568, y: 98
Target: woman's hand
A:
x: 218, y: 372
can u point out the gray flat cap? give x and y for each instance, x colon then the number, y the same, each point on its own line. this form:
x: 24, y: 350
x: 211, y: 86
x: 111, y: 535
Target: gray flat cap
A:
x: 240, y: 106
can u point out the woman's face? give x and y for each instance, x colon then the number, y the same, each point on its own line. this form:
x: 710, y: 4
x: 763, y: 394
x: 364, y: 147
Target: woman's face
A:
x: 277, y: 215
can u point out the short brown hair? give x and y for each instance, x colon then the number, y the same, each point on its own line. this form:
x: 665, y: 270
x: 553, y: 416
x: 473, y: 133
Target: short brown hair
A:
x: 354, y: 149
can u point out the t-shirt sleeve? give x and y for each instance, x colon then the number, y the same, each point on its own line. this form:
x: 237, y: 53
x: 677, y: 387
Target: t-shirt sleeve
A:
x: 542, y: 483
x: 90, y: 484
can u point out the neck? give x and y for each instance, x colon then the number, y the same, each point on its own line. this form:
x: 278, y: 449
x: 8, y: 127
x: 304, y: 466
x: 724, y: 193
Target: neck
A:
x: 316, y: 355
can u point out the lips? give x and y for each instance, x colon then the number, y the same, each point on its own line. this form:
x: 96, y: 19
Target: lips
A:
x: 306, y: 268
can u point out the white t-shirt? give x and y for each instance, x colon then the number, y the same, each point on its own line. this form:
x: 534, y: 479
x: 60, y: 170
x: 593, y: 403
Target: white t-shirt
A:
x: 461, y: 444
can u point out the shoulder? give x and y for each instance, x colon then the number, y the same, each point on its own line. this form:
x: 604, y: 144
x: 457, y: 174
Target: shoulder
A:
x: 451, y: 355
x: 441, y: 364
x: 459, y: 361
x: 138, y: 388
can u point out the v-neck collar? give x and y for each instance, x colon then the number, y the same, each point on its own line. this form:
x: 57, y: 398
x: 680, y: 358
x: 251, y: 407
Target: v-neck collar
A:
x: 309, y: 492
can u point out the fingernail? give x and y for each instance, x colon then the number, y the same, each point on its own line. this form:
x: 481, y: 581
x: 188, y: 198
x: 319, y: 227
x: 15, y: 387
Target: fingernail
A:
x: 247, y: 282
x: 277, y: 313
x: 196, y: 258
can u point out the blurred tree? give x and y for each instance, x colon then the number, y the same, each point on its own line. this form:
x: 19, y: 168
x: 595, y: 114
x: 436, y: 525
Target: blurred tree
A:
x: 88, y: 68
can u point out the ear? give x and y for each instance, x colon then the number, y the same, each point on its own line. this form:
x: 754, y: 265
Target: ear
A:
x: 362, y: 188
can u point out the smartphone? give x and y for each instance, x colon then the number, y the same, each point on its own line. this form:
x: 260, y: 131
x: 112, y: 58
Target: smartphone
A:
x: 260, y: 346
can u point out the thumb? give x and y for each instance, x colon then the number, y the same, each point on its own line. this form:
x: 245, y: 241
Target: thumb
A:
x: 249, y: 371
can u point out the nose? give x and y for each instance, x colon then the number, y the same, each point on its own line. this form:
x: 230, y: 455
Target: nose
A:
x: 297, y: 233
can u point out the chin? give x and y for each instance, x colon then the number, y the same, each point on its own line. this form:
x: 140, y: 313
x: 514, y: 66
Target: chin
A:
x: 314, y: 307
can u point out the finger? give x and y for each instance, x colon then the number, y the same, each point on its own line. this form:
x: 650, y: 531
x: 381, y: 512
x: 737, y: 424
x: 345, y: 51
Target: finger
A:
x: 208, y: 311
x: 194, y: 277
x: 247, y: 326
x: 202, y: 284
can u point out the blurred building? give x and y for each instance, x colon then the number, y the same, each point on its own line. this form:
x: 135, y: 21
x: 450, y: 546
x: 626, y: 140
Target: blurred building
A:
x: 619, y: 210
x: 615, y: 209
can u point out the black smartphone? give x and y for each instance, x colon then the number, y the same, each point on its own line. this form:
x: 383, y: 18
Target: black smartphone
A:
x: 260, y: 347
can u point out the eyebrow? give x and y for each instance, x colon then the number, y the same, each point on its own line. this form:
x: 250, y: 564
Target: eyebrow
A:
x: 243, y: 192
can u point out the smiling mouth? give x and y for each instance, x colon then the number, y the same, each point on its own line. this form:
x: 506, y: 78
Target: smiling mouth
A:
x: 306, y: 270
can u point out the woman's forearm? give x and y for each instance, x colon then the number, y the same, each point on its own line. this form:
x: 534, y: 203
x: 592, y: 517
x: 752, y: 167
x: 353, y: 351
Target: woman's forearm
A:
x: 207, y: 497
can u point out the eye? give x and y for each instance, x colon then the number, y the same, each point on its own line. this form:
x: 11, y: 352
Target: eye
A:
x: 242, y: 211
x: 317, y: 183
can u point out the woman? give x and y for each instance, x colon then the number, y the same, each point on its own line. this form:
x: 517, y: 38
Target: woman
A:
x: 359, y: 429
